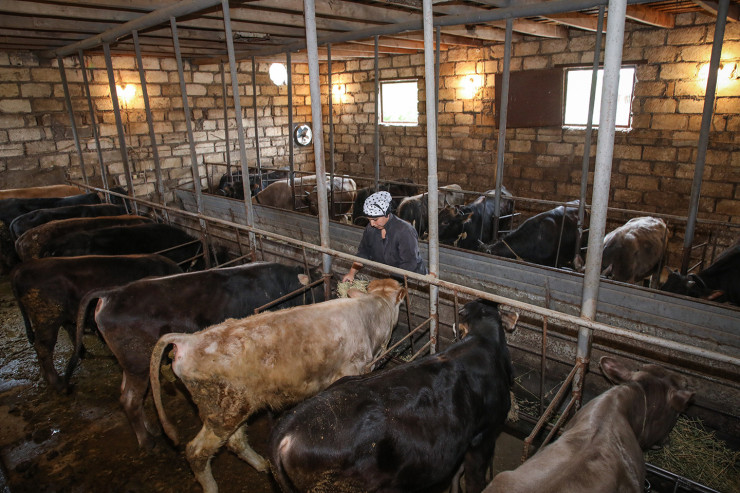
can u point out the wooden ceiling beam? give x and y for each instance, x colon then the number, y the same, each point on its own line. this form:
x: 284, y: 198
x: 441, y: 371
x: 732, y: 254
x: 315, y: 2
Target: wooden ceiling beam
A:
x: 449, y: 39
x: 577, y: 20
x: 650, y: 16
x: 711, y: 6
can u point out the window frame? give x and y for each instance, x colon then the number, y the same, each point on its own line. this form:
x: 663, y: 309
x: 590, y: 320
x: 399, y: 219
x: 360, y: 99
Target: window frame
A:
x: 383, y: 83
x: 595, y: 125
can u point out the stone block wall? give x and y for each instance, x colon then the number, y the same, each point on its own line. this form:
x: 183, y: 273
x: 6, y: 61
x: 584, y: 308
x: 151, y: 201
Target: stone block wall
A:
x: 653, y: 162
x: 36, y: 135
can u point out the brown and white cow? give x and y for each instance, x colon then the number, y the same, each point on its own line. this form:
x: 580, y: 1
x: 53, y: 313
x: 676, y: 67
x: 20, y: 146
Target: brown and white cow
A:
x: 633, y: 251
x: 601, y: 451
x: 279, y: 194
x: 271, y: 360
x: 30, y: 244
x: 46, y: 191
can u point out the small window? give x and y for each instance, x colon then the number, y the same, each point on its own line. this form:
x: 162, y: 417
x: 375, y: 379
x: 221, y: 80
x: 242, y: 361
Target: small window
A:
x: 578, y: 89
x: 399, y: 102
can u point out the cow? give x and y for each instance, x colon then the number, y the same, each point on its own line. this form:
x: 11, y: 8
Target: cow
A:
x: 414, y: 209
x: 46, y: 191
x: 233, y: 185
x: 408, y: 428
x: 549, y: 238
x: 12, y: 208
x: 271, y: 360
x: 601, y: 449
x: 279, y: 194
x: 122, y: 240
x: 49, y: 291
x: 344, y: 189
x: 33, y: 241
x: 405, y: 187
x: 131, y: 318
x: 633, y: 251
x: 468, y: 225
x: 718, y: 282
x: 29, y: 220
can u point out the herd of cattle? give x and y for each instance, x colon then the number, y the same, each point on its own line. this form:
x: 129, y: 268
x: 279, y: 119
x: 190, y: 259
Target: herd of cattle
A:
x: 412, y: 427
x: 631, y: 253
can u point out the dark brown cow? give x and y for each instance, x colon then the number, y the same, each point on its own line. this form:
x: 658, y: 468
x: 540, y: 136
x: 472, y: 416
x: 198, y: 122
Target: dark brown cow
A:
x: 49, y: 291
x: 31, y: 243
x: 279, y: 195
x: 29, y: 220
x: 47, y: 191
x: 132, y: 317
x: 271, y: 360
x: 601, y: 450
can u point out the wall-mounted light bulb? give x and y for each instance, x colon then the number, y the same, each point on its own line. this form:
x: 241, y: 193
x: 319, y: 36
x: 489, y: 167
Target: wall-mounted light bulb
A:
x: 278, y: 74
x: 126, y: 94
x: 470, y: 84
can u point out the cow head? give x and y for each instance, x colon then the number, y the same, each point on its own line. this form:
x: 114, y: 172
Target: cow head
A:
x: 452, y: 222
x: 483, y: 317
x: 655, y: 409
x: 690, y: 285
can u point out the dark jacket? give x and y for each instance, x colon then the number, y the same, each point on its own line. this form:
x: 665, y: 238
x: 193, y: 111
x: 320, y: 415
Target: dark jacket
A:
x: 400, y: 248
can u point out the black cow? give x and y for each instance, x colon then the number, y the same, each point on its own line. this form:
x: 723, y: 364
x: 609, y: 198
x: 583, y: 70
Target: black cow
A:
x: 549, y: 238
x: 468, y: 225
x: 131, y: 318
x: 718, y: 282
x: 49, y: 291
x: 30, y: 243
x: 12, y: 208
x: 122, y: 240
x: 29, y: 220
x: 233, y: 185
x: 414, y: 209
x: 398, y: 192
x: 408, y: 428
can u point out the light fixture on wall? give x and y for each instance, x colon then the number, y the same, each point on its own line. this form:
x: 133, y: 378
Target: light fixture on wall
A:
x: 470, y: 85
x: 126, y: 94
x: 278, y: 74
x: 726, y: 71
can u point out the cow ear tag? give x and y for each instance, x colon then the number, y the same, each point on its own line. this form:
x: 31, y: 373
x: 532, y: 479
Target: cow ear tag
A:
x: 509, y: 320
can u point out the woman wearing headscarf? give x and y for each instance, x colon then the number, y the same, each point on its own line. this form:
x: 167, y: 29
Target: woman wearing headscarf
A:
x: 387, y: 239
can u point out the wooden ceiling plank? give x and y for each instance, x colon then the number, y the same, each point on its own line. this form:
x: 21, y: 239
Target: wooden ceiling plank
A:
x: 449, y: 39
x: 54, y: 10
x: 577, y: 20
x: 44, y: 24
x: 711, y: 6
x: 531, y: 28
x: 650, y: 16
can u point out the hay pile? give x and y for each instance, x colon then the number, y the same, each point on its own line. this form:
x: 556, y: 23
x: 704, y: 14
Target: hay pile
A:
x: 358, y: 284
x: 698, y: 455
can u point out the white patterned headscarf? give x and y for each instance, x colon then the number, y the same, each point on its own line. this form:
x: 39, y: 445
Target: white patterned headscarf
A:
x: 377, y: 204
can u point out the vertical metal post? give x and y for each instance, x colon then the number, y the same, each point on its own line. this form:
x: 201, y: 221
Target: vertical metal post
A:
x: 317, y: 124
x: 589, y: 126
x: 229, y: 178
x: 331, y: 125
x: 706, y: 123
x: 376, y: 140
x: 432, y: 184
x: 119, y: 124
x: 150, y: 121
x: 72, y: 123
x: 503, y: 112
x: 437, y: 49
x: 256, y: 127
x: 93, y: 123
x: 291, y: 129
x: 602, y: 178
x: 239, y: 123
x: 189, y: 127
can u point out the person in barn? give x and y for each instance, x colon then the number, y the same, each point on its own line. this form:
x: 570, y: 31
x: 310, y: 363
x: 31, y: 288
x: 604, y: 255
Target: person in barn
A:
x: 387, y: 239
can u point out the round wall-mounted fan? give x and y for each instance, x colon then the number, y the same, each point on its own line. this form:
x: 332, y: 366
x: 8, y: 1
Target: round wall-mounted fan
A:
x: 302, y: 135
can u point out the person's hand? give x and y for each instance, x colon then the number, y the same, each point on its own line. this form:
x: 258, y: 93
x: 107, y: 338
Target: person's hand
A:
x: 348, y: 277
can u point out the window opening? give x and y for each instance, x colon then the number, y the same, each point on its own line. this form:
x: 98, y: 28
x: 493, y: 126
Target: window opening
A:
x: 578, y: 87
x: 399, y: 102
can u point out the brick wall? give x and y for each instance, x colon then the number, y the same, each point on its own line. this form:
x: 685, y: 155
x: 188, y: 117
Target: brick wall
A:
x: 653, y: 163
x: 35, y: 134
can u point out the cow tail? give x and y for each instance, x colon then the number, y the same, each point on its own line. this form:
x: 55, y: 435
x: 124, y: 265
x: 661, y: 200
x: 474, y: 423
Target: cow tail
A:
x: 154, y: 367
x: 82, y: 312
x: 29, y: 330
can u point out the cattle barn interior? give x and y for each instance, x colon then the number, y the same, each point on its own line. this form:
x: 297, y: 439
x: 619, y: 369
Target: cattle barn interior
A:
x: 629, y: 107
